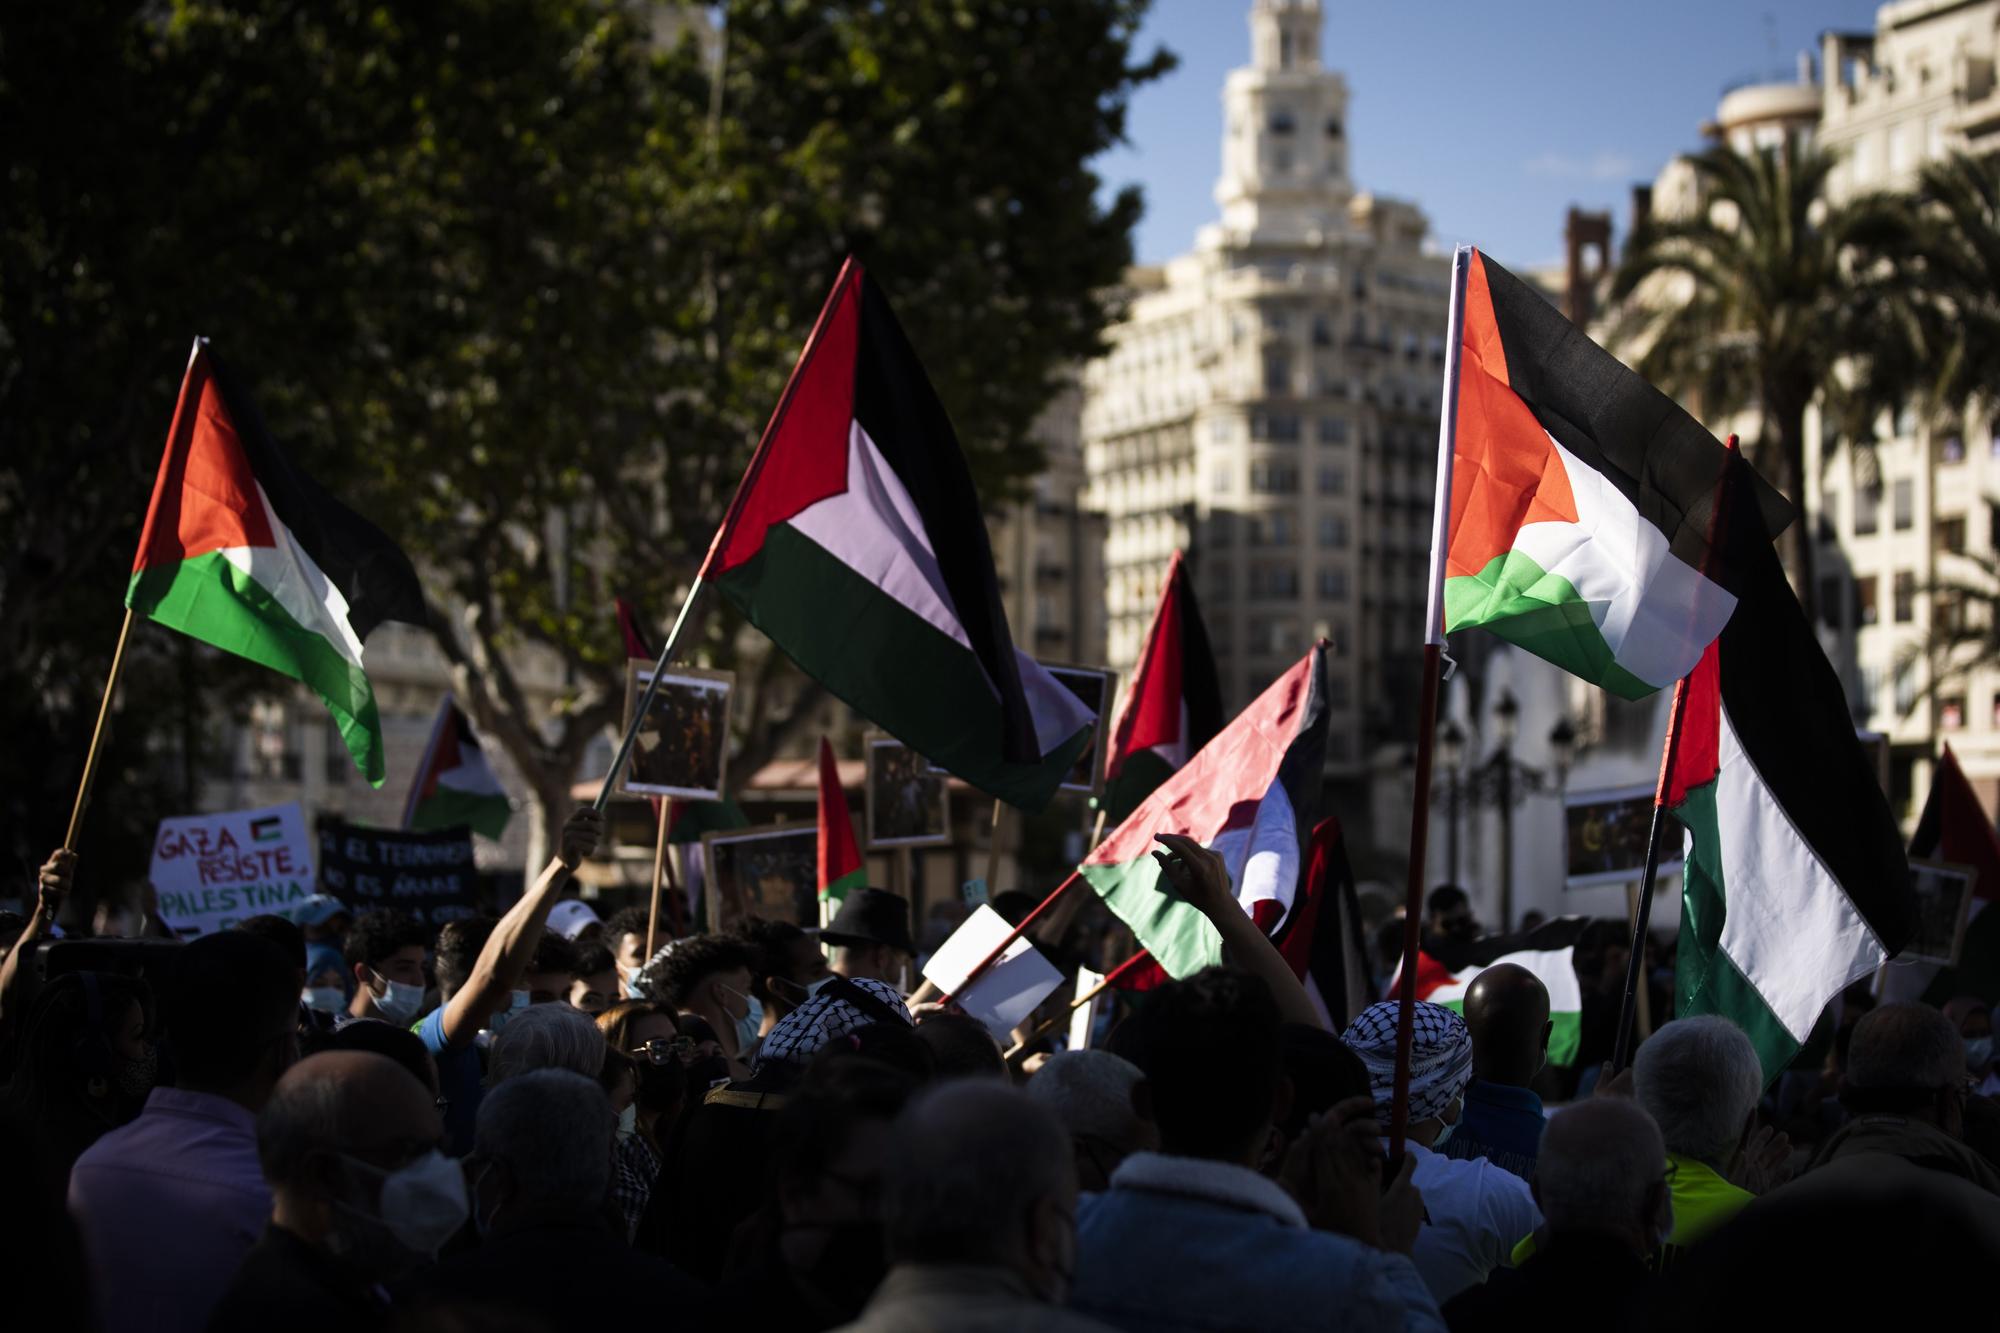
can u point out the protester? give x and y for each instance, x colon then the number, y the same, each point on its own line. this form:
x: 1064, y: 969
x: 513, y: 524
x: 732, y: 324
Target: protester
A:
x: 1699, y: 1078
x: 814, y: 1253
x: 539, y: 1171
x: 576, y: 921
x: 86, y: 1062
x: 1095, y: 1095
x: 329, y: 984
x: 545, y: 1036
x: 869, y: 938
x: 398, y: 1044
x: 1973, y: 1018
x: 360, y: 1193
x: 1448, y: 920
x: 625, y: 935
x: 1601, y: 1184
x: 709, y: 976
x: 962, y: 1046
x: 593, y: 980
x: 1475, y: 1212
x: 316, y: 1026
x: 550, y: 968
x: 788, y: 967
x: 480, y: 967
x: 169, y: 1204
x: 1907, y: 1088
x: 1507, y: 1013
x: 385, y: 956
x: 980, y: 1213
x: 52, y: 886
x: 1192, y: 1237
x: 1323, y: 1073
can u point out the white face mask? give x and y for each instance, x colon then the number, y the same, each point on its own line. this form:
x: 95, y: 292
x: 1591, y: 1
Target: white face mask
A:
x: 422, y: 1204
x: 517, y: 1002
x: 325, y: 999
x: 401, y: 1001
x: 630, y: 980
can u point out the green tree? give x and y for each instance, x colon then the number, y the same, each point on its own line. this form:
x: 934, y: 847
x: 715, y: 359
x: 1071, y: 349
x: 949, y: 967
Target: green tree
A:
x: 1767, y: 299
x: 522, y: 279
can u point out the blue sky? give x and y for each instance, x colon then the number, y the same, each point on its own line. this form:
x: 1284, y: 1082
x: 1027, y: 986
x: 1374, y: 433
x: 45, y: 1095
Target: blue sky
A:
x: 1493, y: 117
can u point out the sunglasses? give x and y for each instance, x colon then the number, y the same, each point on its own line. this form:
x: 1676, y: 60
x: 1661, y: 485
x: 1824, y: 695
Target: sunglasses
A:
x: 665, y: 1050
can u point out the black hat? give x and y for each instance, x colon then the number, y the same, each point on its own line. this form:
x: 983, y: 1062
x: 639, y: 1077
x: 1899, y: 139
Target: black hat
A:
x: 872, y: 916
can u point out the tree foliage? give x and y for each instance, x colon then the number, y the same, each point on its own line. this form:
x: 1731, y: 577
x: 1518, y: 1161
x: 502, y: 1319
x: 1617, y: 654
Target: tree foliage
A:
x: 521, y: 279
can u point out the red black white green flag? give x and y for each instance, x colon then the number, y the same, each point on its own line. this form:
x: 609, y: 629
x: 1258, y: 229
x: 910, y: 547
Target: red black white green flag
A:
x: 1447, y: 969
x: 1955, y: 827
x: 1795, y: 880
x: 454, y: 784
x: 857, y: 543
x: 840, y: 866
x: 1252, y: 794
x: 244, y: 551
x: 1581, y: 499
x: 1173, y: 706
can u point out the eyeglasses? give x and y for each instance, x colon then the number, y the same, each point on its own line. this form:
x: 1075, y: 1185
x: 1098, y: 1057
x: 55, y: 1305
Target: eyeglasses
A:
x: 443, y: 1104
x: 665, y: 1050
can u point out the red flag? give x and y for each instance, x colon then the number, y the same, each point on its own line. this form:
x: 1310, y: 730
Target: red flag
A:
x: 840, y: 867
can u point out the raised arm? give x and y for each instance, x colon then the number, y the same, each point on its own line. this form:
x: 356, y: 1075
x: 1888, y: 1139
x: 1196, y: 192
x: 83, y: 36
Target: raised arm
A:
x: 51, y: 888
x: 1199, y: 876
x: 512, y: 943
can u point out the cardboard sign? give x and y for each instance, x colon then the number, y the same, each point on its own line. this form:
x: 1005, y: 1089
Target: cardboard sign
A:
x: 1005, y: 993
x: 428, y: 875
x: 1083, y: 1018
x: 212, y: 871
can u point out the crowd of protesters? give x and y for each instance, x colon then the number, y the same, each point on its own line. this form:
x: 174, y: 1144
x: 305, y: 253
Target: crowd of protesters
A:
x: 527, y: 1123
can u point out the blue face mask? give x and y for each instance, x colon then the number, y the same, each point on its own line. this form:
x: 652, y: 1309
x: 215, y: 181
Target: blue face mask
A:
x: 752, y: 1021
x: 632, y: 991
x: 499, y: 1019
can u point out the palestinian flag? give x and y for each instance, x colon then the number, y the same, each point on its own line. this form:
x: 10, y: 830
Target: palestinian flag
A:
x: 1174, y: 705
x: 1252, y: 794
x: 840, y: 867
x: 243, y: 551
x: 1581, y: 499
x: 1795, y: 881
x: 1322, y: 937
x: 455, y: 785
x: 636, y: 643
x: 856, y: 542
x: 1955, y: 827
x: 1549, y: 951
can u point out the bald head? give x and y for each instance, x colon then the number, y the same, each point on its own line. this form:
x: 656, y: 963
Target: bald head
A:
x: 1602, y: 1168
x: 980, y: 1174
x: 342, y: 1102
x: 1507, y: 1012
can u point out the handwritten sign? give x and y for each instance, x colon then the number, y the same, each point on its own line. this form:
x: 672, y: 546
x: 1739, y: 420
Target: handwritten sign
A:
x: 212, y: 871
x: 428, y: 875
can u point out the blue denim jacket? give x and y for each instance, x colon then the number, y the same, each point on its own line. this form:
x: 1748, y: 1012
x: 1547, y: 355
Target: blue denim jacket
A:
x: 1184, y: 1245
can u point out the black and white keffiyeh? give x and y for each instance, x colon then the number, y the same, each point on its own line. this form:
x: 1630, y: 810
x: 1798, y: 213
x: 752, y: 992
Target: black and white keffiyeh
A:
x: 823, y: 1019
x: 1440, y: 1056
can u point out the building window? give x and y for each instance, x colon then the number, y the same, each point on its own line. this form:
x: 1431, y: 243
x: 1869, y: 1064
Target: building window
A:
x: 1952, y: 450
x: 1276, y: 636
x: 1277, y: 373
x: 1222, y: 430
x: 1322, y: 331
x: 1995, y: 717
x: 1274, y: 427
x: 1333, y: 585
x: 1222, y: 478
x: 1272, y: 529
x: 1906, y: 688
x: 1333, y: 129
x: 1267, y: 478
x: 1829, y: 601
x: 1867, y: 510
x: 1905, y: 596
x: 1282, y: 122
x: 1951, y: 535
x: 1332, y: 532
x: 1904, y: 504
x: 1333, y: 430
x: 1829, y: 516
x: 1865, y: 612
x: 1272, y: 581
x: 1333, y: 479
x: 1951, y: 712
x: 1281, y: 161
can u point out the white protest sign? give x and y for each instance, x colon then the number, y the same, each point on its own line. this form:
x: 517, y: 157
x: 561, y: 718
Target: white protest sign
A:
x: 212, y: 871
x: 1084, y: 1017
x: 1005, y: 993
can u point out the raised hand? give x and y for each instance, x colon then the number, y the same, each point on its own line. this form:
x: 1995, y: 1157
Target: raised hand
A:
x: 1195, y: 873
x: 580, y: 836
x: 53, y: 885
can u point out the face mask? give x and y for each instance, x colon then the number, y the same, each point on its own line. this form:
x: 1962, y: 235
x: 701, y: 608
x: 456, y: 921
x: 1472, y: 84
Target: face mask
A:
x: 753, y: 1019
x: 515, y: 1005
x: 325, y: 999
x: 797, y: 994
x: 1444, y: 1135
x: 134, y: 1078
x: 631, y: 982
x: 628, y: 1121
x: 424, y: 1202
x: 1978, y: 1053
x: 401, y: 1003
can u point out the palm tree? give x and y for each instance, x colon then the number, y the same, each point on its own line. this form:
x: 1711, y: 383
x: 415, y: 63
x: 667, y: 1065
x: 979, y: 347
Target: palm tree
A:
x: 1768, y: 298
x: 1955, y: 263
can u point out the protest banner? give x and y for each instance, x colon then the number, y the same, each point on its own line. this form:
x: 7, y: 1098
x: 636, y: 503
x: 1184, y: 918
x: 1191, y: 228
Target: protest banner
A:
x: 212, y: 871
x: 1606, y: 835
x: 1003, y: 993
x: 429, y: 875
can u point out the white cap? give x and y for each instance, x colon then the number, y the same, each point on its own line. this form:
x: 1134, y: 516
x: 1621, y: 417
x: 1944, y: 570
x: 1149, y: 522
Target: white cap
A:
x: 570, y: 917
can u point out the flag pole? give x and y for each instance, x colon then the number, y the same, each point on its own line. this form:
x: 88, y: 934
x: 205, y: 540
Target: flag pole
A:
x: 1433, y: 671
x: 659, y: 866
x: 1076, y: 876
x: 993, y: 849
x: 97, y: 735
x: 1104, y: 983
x: 1669, y: 754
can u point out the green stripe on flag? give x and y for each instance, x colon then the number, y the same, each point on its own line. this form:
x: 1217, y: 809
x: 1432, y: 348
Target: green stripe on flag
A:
x: 448, y: 807
x: 1526, y: 605
x: 1180, y: 938
x: 210, y: 599
x: 837, y: 891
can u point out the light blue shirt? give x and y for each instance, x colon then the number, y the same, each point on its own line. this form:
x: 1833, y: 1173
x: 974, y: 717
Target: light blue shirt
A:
x: 168, y: 1206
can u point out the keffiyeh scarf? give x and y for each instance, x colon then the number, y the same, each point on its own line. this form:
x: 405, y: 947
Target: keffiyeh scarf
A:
x: 1440, y: 1056
x: 822, y: 1020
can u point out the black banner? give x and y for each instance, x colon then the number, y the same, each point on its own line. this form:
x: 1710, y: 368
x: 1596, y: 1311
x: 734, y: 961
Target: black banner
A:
x: 428, y: 875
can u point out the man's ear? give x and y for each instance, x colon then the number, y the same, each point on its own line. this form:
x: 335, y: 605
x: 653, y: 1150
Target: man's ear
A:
x: 360, y: 973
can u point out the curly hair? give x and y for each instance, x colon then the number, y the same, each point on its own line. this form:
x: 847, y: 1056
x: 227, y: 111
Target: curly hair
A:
x: 676, y: 972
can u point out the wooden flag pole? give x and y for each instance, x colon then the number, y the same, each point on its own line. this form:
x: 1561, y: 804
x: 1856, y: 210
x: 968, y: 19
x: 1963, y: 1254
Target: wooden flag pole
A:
x: 97, y: 735
x: 1433, y: 674
x: 677, y: 904
x: 659, y: 866
x: 1075, y: 877
x: 993, y: 849
x: 1669, y: 755
x: 1104, y: 983
x: 1096, y: 831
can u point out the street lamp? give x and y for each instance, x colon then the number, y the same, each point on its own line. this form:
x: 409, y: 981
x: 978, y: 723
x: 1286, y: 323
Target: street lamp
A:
x: 1501, y: 781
